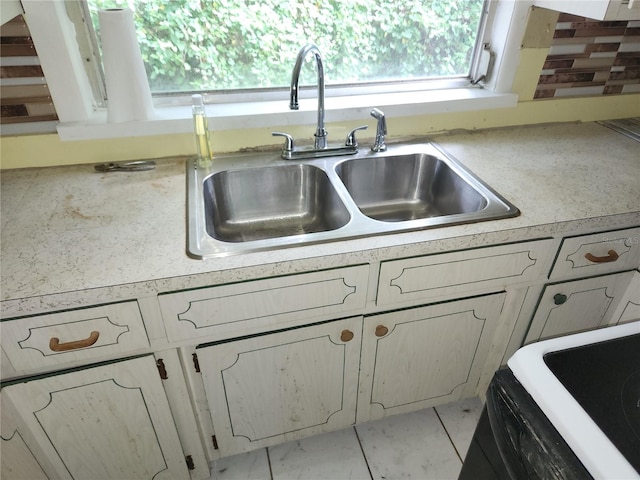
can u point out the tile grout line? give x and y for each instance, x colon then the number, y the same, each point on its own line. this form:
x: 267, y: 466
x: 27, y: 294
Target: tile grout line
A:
x: 448, y: 436
x: 269, y: 463
x: 363, y: 454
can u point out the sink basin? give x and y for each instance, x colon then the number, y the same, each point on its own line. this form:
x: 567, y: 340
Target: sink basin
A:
x: 397, y: 188
x: 270, y: 202
x: 259, y: 202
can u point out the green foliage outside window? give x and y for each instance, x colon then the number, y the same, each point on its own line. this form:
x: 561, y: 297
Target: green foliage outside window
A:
x: 236, y: 44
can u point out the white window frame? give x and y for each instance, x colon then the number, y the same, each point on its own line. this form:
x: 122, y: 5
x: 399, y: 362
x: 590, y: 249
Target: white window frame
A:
x: 81, y: 119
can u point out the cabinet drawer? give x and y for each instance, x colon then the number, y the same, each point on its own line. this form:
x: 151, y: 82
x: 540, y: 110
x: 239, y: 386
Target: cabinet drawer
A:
x: 252, y: 307
x: 73, y: 336
x: 413, y: 280
x: 598, y: 253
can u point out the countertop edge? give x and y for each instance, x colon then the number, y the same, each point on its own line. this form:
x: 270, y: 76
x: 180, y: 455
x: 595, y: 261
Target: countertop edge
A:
x: 37, y: 304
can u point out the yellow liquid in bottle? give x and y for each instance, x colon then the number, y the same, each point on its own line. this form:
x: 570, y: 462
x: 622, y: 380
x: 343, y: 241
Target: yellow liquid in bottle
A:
x: 203, y: 145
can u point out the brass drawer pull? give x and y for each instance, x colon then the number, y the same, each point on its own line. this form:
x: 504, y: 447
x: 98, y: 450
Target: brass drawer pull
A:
x: 381, y: 331
x: 56, y: 346
x: 612, y: 257
x: 346, y: 335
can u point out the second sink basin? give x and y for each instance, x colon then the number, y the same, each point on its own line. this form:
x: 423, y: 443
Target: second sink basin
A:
x: 397, y: 188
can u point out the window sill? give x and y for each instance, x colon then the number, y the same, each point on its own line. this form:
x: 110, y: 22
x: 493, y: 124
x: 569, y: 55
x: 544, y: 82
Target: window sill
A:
x: 243, y: 115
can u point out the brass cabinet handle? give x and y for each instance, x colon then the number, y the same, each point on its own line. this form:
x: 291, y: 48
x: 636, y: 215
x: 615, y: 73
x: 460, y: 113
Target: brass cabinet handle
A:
x: 56, y: 346
x: 612, y: 257
x: 346, y: 335
x: 381, y: 331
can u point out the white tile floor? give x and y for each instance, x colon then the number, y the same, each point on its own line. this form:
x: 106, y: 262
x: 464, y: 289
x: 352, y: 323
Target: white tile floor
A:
x: 425, y: 445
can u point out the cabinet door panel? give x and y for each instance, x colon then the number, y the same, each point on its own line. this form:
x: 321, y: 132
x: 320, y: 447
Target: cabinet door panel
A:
x: 419, y: 357
x: 629, y: 307
x: 225, y: 311
x: 577, y: 306
x: 279, y: 387
x: 414, y: 280
x: 111, y: 421
x: 19, y: 462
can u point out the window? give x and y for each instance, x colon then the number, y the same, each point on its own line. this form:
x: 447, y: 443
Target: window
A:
x: 65, y: 54
x: 231, y: 45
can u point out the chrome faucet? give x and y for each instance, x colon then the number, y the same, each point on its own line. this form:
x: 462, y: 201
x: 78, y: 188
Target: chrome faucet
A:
x: 320, y: 147
x: 321, y: 132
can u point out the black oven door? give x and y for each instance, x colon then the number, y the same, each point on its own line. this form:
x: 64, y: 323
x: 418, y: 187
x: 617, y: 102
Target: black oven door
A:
x: 515, y: 440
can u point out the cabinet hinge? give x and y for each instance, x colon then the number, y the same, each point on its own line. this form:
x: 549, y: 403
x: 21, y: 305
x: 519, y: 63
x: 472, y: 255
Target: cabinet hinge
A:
x: 196, y: 363
x: 215, y: 442
x: 189, y: 460
x: 161, y: 369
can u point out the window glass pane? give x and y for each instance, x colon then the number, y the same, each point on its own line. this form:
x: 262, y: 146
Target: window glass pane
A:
x: 239, y: 44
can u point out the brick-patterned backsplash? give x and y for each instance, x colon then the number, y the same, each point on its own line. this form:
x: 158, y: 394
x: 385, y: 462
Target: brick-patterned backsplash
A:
x: 590, y: 57
x: 24, y: 96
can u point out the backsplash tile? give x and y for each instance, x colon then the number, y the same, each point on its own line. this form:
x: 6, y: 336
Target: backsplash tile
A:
x: 24, y: 96
x: 590, y: 57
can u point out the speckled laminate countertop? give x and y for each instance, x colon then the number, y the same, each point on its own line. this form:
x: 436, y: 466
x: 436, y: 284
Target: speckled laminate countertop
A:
x: 72, y: 236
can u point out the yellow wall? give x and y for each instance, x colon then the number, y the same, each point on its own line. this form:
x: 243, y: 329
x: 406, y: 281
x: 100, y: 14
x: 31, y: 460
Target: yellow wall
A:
x: 46, y: 150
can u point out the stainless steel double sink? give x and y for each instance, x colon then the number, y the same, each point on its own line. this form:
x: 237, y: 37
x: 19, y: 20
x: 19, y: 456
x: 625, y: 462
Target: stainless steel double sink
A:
x: 258, y: 202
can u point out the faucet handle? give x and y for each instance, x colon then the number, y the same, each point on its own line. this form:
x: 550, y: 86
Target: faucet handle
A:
x: 351, y: 136
x: 288, y: 142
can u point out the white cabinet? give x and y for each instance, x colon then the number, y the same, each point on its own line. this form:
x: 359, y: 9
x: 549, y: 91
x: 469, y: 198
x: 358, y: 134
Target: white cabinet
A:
x: 18, y: 460
x: 279, y: 387
x: 283, y: 386
x: 414, y: 280
x: 420, y: 357
x: 629, y: 307
x: 78, y: 339
x: 68, y: 338
x: 578, y: 305
x: 227, y: 311
x: 588, y: 283
x: 289, y: 377
x: 110, y: 422
x: 586, y: 303
x: 270, y: 360
x: 598, y: 253
x: 595, y: 9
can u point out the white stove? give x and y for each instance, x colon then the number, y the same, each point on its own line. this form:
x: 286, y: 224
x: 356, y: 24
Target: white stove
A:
x: 548, y: 370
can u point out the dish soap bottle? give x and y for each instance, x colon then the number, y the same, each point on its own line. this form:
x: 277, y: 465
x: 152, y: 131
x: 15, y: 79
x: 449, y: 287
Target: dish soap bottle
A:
x: 201, y: 131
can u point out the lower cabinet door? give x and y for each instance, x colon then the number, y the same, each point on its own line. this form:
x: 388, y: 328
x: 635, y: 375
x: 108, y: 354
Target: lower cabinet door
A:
x: 578, y: 305
x: 107, y: 422
x: 425, y: 356
x: 629, y: 307
x: 19, y: 462
x: 282, y: 386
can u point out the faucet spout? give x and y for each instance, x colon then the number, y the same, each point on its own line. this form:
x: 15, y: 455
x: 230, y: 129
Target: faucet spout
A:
x: 321, y: 133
